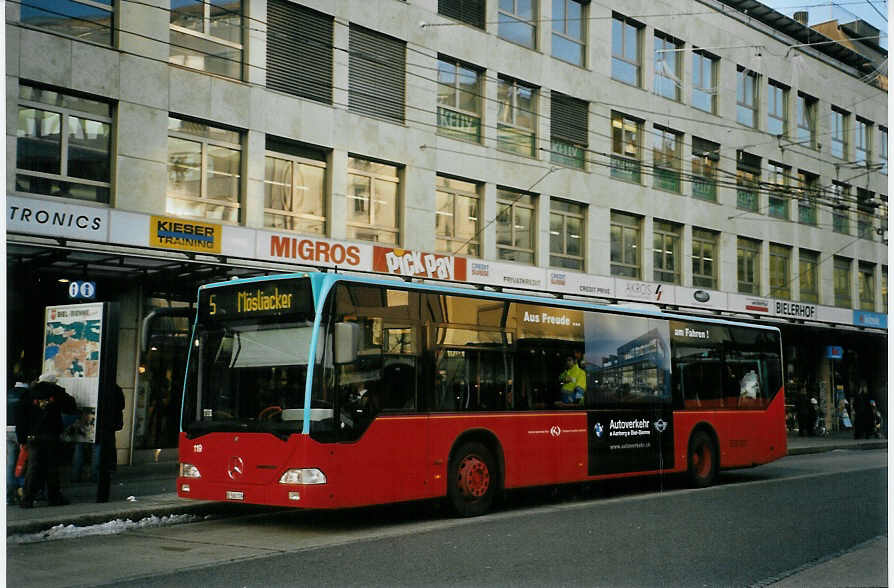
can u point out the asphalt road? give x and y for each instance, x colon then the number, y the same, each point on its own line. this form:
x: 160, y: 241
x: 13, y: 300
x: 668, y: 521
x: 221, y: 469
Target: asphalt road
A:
x: 755, y: 527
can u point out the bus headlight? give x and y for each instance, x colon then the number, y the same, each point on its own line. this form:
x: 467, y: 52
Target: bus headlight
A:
x: 187, y: 470
x: 303, y: 476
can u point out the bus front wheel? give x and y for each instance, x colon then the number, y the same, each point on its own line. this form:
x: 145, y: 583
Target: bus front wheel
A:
x: 472, y: 480
x: 702, y: 459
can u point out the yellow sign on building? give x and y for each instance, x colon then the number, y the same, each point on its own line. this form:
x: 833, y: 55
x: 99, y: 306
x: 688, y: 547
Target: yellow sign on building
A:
x: 175, y: 233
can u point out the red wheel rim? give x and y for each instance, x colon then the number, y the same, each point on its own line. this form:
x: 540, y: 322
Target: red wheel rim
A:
x: 473, y: 478
x: 701, y: 460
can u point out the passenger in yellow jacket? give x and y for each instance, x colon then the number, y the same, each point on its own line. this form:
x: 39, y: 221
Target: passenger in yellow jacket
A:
x: 574, y: 382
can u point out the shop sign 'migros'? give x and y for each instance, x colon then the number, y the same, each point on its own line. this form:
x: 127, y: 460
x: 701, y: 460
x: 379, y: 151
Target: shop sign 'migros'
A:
x: 315, y: 251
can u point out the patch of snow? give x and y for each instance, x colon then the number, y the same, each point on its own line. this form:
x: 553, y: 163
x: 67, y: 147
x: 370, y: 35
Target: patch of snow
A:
x: 110, y: 528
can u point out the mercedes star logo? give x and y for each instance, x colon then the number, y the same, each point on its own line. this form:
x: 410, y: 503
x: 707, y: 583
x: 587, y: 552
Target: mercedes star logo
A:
x: 235, y: 467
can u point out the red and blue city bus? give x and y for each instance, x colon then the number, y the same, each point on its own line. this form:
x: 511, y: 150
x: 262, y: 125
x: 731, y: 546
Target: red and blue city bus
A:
x: 325, y: 390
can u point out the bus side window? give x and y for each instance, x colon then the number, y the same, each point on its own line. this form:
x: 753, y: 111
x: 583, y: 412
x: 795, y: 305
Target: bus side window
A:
x: 697, y: 365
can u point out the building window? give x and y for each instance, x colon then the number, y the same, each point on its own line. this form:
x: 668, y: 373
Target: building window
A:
x: 808, y: 190
x: 865, y: 211
x: 517, y: 22
x: 885, y: 288
x: 748, y: 265
x: 566, y: 234
x: 373, y: 212
x: 569, y: 31
x: 883, y: 150
x: 866, y: 280
x: 666, y: 157
x: 88, y: 21
x: 207, y: 36
x: 838, y: 133
x: 459, y: 100
x: 808, y: 276
x: 841, y: 208
x: 666, y: 252
x: 457, y: 217
x: 569, y: 130
x: 294, y: 188
x: 704, y: 252
x: 705, y: 155
x: 625, y: 240
x: 806, y: 106
x: 862, y: 144
x: 667, y: 66
x: 748, y: 177
x: 780, y: 262
x: 299, y: 51
x: 626, y: 148
x: 204, y: 171
x: 626, y: 53
x: 516, y: 125
x: 883, y: 218
x: 841, y: 267
x: 376, y: 74
x: 777, y: 108
x: 63, y: 145
x: 779, y: 197
x: 467, y: 11
x: 704, y: 81
x: 746, y: 97
x: 515, y: 226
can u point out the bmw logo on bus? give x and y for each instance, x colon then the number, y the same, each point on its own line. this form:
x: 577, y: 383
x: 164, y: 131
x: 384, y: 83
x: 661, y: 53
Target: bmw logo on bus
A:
x: 597, y: 430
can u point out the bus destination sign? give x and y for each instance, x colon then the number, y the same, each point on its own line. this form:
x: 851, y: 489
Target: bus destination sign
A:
x: 257, y: 300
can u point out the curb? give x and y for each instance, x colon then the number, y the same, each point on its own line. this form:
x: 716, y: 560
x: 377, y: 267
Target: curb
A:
x: 883, y: 444
x: 95, y: 518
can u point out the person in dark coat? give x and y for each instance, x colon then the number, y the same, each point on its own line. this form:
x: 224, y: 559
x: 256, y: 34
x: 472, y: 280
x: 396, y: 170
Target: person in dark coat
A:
x: 13, y: 482
x: 110, y: 419
x: 805, y: 425
x: 39, y: 427
x: 862, y: 416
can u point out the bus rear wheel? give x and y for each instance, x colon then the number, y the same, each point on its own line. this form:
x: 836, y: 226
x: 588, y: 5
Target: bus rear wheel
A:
x: 702, y: 459
x: 472, y: 480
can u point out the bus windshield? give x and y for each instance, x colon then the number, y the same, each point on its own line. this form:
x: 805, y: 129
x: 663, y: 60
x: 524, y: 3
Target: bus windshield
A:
x: 248, y: 361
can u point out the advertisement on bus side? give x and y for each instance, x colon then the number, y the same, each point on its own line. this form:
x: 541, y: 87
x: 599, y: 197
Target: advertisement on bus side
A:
x: 629, y: 440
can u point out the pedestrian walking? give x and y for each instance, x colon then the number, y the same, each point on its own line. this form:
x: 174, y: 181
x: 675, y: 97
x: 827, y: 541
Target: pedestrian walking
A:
x: 39, y: 428
x: 105, y: 454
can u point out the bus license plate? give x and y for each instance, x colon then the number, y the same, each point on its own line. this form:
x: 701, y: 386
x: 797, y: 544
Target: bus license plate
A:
x: 233, y: 495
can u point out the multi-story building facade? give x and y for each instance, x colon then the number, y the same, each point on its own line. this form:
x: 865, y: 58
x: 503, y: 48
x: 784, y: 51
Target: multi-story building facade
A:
x: 697, y: 157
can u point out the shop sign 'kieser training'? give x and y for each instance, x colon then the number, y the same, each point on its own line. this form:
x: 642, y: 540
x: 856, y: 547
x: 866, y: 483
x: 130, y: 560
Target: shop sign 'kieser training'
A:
x: 183, y: 235
x: 403, y: 262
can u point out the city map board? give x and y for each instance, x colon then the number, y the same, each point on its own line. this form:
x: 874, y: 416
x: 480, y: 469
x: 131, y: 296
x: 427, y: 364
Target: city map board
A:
x: 72, y: 351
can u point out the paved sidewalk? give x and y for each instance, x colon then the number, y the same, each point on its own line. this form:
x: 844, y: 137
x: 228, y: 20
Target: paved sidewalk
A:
x: 864, y: 565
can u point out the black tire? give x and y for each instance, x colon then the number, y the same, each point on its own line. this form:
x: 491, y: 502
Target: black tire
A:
x: 472, y: 480
x: 702, y: 459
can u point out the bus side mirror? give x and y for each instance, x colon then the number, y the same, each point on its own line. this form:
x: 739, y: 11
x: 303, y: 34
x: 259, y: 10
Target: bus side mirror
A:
x: 347, y: 342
